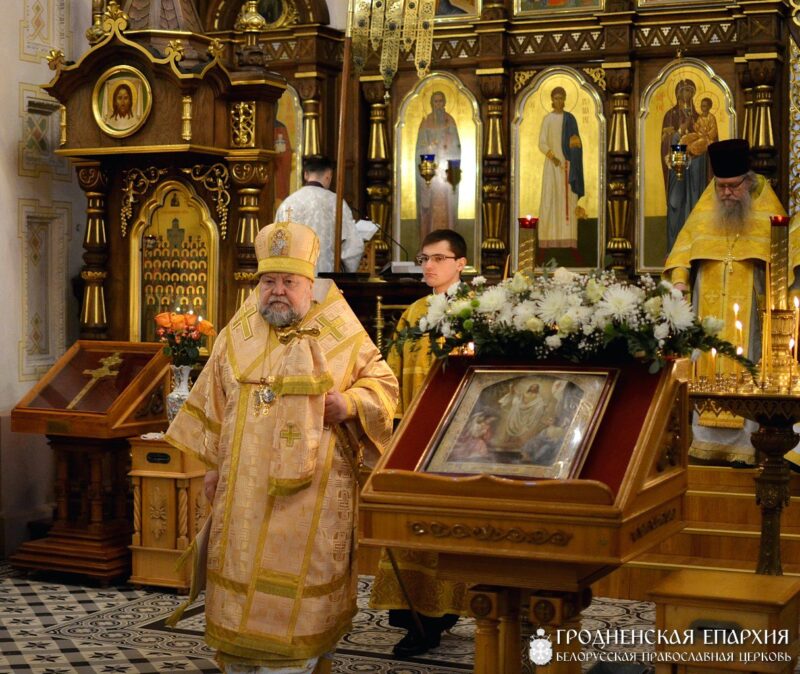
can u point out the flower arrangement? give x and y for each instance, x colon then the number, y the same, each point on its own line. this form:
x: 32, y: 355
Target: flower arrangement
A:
x: 181, y: 335
x: 562, y: 314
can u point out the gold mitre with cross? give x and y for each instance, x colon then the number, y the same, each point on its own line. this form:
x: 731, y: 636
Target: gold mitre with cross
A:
x: 287, y: 247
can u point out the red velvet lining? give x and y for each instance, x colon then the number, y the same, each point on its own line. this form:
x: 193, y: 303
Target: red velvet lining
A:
x: 613, y: 444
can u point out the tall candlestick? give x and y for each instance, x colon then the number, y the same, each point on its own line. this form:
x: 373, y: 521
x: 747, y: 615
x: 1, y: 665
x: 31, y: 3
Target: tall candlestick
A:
x: 766, y: 336
x: 714, y: 362
x: 739, y: 352
x: 779, y: 258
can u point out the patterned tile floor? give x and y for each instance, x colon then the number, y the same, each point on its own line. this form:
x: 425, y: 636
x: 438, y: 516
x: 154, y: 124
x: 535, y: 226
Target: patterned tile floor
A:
x: 49, y: 627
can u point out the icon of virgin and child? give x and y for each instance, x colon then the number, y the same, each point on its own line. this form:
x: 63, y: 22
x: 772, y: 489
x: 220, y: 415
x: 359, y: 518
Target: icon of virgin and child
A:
x: 522, y: 420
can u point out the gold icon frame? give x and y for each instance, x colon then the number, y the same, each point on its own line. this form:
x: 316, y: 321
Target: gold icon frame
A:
x: 103, y: 95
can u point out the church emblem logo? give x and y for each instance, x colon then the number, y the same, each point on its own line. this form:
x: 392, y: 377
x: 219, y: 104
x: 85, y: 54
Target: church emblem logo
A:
x: 540, y: 650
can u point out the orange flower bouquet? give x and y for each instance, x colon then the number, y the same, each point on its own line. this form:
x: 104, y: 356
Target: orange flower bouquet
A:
x: 181, y: 335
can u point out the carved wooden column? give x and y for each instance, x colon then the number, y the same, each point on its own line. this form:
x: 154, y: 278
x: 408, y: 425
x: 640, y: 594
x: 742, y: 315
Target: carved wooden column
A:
x: 308, y: 86
x: 250, y: 174
x: 494, y: 189
x: 379, y: 165
x: 493, y: 83
x: 486, y: 605
x: 93, y: 181
x: 620, y: 167
x: 746, y: 83
x: 182, y: 540
x: 762, y: 145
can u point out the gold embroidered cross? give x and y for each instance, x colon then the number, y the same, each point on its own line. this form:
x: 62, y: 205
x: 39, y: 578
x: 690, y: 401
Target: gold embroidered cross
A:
x: 331, y: 326
x: 712, y: 297
x: 290, y: 435
x: 244, y: 322
x: 96, y: 375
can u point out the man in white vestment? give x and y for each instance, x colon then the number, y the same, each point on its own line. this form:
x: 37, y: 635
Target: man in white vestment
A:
x: 314, y: 205
x: 562, y: 176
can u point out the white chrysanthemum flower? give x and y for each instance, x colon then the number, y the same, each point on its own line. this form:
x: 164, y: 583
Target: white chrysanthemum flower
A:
x: 519, y: 283
x: 553, y: 341
x: 437, y: 309
x: 678, y: 312
x: 492, y: 300
x: 522, y: 312
x: 446, y: 329
x: 552, y: 305
x: 563, y: 276
x: 479, y: 281
x: 423, y: 324
x: 505, y: 317
x: 619, y: 302
x: 534, y: 324
x: 713, y: 325
x: 453, y: 289
x: 661, y: 331
x: 653, y: 307
x: 594, y: 290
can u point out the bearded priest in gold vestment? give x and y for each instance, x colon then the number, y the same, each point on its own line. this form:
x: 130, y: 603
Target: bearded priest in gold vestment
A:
x: 437, y: 602
x: 293, y: 393
x: 721, y: 255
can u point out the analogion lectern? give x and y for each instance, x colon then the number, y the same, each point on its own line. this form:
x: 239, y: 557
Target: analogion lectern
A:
x: 532, y: 482
x: 95, y: 396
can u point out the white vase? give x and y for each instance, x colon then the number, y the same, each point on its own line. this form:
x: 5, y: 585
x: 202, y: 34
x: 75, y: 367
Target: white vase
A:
x: 180, y: 390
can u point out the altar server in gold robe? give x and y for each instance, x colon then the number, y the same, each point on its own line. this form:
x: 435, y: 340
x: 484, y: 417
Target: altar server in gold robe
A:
x: 293, y: 392
x: 443, y: 256
x: 721, y: 255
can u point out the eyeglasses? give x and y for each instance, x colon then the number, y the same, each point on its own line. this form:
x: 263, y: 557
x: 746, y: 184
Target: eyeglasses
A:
x: 729, y: 187
x: 436, y: 259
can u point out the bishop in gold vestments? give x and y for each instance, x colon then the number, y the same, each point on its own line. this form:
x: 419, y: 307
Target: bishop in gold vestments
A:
x: 723, y: 259
x: 281, y: 574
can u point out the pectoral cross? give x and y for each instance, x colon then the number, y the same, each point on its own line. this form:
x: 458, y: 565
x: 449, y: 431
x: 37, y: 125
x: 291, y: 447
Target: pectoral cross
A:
x: 264, y: 397
x: 729, y: 258
x: 288, y: 335
x: 96, y: 375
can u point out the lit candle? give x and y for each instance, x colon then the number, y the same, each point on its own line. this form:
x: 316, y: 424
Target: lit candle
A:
x: 714, y: 360
x: 739, y: 340
x: 791, y: 362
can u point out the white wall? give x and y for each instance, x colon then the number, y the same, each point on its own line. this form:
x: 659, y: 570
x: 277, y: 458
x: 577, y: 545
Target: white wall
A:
x: 338, y: 12
x: 40, y: 239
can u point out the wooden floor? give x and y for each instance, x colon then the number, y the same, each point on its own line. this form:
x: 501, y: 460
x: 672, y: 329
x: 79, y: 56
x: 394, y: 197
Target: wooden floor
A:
x: 722, y: 532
